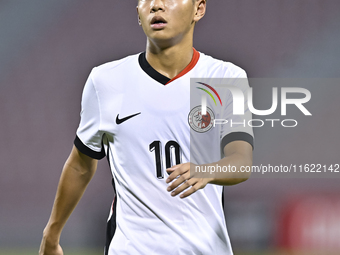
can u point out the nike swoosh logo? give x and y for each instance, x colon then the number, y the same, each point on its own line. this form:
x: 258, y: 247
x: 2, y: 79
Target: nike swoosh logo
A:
x: 120, y: 121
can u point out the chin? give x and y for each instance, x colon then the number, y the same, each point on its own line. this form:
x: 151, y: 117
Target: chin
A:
x: 164, y: 38
x: 161, y: 39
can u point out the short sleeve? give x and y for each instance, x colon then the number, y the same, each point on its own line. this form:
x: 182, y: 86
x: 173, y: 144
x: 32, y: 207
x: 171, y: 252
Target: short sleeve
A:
x: 237, y: 127
x: 89, y: 137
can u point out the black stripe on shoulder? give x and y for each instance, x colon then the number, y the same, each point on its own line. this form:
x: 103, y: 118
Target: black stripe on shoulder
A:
x: 87, y: 151
x: 237, y: 136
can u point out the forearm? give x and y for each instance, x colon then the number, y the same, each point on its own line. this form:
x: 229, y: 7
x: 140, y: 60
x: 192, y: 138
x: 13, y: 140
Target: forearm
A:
x: 236, y: 161
x: 73, y: 182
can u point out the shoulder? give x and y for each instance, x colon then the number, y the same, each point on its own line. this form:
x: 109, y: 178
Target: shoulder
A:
x: 115, y: 67
x: 223, y: 68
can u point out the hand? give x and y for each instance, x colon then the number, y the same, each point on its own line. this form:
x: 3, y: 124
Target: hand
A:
x: 184, y: 181
x: 46, y: 248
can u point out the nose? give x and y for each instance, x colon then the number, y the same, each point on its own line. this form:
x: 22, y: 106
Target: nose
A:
x: 157, y: 5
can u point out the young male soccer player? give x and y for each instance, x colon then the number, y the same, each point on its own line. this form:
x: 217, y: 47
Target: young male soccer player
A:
x: 135, y: 112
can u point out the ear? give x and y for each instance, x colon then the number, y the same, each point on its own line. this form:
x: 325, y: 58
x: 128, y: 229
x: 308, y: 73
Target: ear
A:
x: 200, y: 6
x: 139, y: 22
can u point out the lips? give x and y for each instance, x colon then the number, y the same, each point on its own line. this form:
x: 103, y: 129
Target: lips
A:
x: 158, y: 22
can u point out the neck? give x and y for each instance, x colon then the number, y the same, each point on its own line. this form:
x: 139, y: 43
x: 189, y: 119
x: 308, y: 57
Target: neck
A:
x: 169, y: 61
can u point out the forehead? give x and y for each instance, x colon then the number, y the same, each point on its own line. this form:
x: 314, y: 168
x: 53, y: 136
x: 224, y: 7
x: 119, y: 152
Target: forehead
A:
x: 163, y: 0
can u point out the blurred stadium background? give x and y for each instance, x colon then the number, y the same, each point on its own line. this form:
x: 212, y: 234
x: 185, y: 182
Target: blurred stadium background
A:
x: 47, y: 49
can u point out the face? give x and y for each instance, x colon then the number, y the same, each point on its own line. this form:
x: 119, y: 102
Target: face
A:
x: 165, y: 20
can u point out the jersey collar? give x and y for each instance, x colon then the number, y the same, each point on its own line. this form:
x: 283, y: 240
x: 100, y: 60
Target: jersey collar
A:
x: 149, y: 70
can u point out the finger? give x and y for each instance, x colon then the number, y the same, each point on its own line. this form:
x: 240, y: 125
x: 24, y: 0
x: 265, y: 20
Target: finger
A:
x: 183, y: 187
x: 173, y: 173
x: 174, y: 167
x: 169, y: 171
x: 182, y: 178
x: 191, y: 191
x: 176, y: 171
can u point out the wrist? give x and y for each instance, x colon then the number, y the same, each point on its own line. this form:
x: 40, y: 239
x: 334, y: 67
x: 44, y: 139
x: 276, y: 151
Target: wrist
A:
x: 208, y: 177
x: 51, y: 236
x: 210, y: 180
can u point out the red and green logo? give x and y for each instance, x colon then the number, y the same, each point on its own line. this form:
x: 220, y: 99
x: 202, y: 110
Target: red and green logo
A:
x: 209, y: 93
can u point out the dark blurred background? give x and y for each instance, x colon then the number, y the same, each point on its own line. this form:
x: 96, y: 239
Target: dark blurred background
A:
x: 47, y: 49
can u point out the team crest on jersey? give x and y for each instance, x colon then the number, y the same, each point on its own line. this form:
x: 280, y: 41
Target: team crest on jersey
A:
x: 201, y: 123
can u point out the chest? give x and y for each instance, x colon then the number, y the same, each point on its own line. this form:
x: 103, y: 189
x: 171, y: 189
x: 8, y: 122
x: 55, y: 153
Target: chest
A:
x: 133, y: 107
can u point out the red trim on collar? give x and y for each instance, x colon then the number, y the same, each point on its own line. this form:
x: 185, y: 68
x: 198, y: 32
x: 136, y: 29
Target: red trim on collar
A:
x: 194, y: 60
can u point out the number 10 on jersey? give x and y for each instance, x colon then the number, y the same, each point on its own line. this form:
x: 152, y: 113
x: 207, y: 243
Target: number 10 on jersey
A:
x: 173, y: 155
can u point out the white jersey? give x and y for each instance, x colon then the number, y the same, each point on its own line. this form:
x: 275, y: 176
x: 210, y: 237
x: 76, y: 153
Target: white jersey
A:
x: 138, y: 119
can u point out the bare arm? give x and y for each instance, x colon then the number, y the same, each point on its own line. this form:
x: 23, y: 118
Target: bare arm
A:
x: 237, y: 153
x: 77, y: 173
